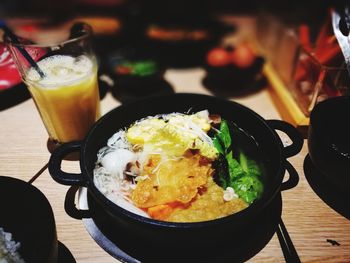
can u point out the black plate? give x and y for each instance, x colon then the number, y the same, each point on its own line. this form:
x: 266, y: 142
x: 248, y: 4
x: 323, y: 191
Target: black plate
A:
x: 330, y: 194
x: 232, y: 81
x: 64, y: 255
x: 19, y: 93
x: 27, y: 214
x: 126, y: 95
x: 13, y: 96
x: 257, y: 239
x: 128, y: 87
x: 185, y: 53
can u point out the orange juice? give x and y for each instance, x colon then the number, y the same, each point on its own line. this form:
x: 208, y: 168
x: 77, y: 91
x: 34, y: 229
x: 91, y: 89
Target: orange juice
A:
x: 67, y: 97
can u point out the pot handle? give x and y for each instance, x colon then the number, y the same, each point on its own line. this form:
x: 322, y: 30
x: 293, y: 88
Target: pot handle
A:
x: 70, y: 206
x: 55, y: 165
x: 293, y: 179
x: 293, y: 134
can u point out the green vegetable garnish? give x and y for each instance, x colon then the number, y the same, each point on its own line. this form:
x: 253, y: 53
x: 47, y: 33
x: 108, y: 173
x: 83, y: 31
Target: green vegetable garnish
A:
x: 138, y: 68
x: 249, y: 166
x: 217, y: 144
x: 243, y: 175
x: 224, y: 134
x: 235, y: 169
x: 248, y: 187
x: 144, y: 68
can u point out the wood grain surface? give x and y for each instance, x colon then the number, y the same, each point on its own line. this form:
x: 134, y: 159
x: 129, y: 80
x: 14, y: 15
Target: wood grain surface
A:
x: 309, y: 220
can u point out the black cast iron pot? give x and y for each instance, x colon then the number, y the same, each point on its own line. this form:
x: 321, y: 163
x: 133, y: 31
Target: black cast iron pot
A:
x: 174, y: 240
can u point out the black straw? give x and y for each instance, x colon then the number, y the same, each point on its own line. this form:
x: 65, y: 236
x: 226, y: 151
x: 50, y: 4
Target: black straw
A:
x: 24, y: 52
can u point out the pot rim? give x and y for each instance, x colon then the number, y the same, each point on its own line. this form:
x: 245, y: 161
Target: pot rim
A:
x: 252, y: 209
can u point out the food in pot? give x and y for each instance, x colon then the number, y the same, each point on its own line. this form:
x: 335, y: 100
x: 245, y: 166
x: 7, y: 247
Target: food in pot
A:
x: 180, y: 167
x: 9, y: 248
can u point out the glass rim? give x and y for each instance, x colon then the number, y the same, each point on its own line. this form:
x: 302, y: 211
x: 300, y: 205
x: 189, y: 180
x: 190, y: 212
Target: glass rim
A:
x: 87, y: 34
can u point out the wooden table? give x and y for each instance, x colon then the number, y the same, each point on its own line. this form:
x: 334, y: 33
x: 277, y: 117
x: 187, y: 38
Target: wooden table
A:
x: 309, y: 220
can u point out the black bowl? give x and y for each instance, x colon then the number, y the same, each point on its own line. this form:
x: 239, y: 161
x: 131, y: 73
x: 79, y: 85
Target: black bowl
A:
x: 230, y: 80
x: 185, y: 51
x: 130, y: 84
x: 27, y: 214
x: 153, y: 236
x: 329, y: 140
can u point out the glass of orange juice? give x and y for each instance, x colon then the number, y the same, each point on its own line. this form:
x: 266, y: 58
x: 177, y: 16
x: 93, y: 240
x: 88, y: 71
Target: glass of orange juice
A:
x: 66, y: 90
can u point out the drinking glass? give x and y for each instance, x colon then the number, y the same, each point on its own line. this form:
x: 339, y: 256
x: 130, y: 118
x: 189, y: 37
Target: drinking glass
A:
x: 63, y: 82
x: 319, y: 75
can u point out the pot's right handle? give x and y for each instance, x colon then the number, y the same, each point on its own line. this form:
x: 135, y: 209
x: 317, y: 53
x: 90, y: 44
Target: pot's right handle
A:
x: 293, y: 177
x: 292, y: 132
x: 55, y: 165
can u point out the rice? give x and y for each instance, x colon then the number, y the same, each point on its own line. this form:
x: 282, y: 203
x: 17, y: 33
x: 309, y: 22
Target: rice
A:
x: 9, y: 248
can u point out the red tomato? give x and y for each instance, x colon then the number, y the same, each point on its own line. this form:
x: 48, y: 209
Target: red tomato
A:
x: 243, y: 56
x: 218, y: 57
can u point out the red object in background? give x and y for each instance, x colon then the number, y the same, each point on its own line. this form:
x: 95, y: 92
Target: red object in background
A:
x: 218, y: 57
x: 243, y: 56
x: 319, y: 72
x: 9, y: 75
x: 304, y: 37
x: 325, y: 52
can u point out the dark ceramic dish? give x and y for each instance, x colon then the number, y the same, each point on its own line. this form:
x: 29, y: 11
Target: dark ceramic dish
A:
x: 136, y: 55
x: 184, y: 51
x: 178, y: 239
x: 136, y: 73
x: 126, y: 95
x: 329, y: 140
x: 332, y: 196
x: 27, y: 214
x: 13, y: 96
x: 231, y: 80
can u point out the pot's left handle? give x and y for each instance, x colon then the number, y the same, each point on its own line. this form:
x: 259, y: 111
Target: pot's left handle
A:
x: 293, y: 134
x: 70, y: 206
x: 55, y: 165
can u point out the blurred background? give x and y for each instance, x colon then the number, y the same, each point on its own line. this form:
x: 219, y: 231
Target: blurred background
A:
x: 186, y: 34
x: 124, y: 22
